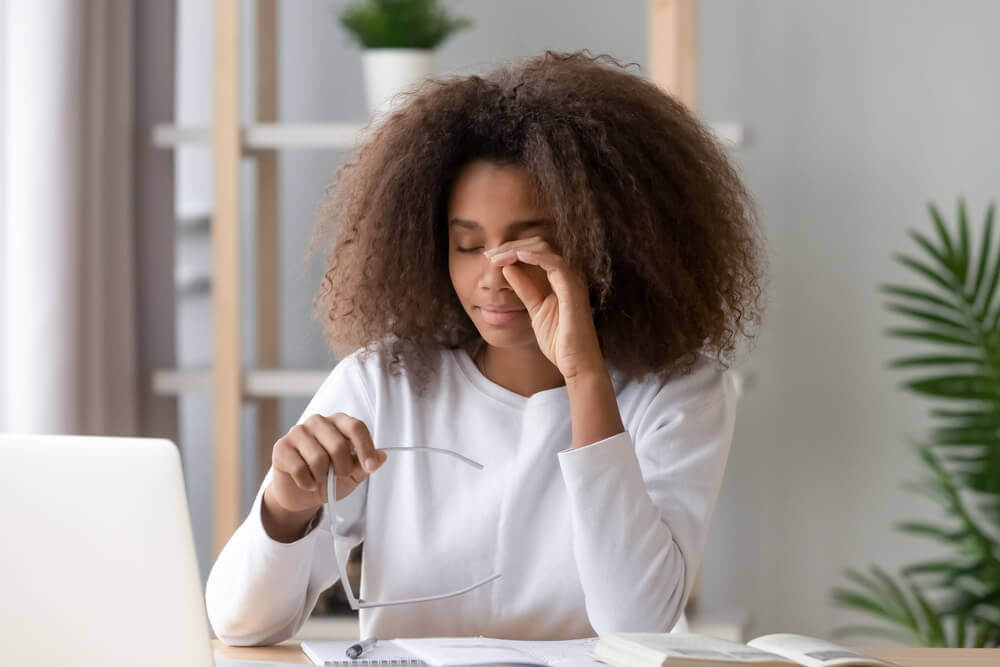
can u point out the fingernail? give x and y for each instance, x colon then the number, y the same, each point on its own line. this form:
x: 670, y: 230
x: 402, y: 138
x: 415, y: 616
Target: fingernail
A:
x: 370, y: 464
x: 490, y: 252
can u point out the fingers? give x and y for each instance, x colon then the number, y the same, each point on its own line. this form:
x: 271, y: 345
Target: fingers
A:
x: 318, y: 460
x: 536, y: 252
x: 308, y: 450
x: 506, y: 250
x: 288, y: 458
x: 336, y: 446
x: 361, y: 440
x: 524, y: 287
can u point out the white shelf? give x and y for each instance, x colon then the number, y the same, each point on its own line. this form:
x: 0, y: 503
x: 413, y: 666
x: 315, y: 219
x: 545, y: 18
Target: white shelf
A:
x: 273, y: 382
x: 731, y: 134
x: 267, y: 135
x: 257, y: 383
x: 328, y: 135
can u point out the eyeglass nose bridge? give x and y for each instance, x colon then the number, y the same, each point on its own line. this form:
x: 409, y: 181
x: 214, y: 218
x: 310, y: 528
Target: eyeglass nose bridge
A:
x: 331, y: 496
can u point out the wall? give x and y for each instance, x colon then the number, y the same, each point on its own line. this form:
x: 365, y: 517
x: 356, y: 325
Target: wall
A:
x: 856, y: 113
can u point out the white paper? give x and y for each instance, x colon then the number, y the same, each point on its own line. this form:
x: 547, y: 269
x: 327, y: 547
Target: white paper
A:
x: 813, y: 652
x: 383, y: 653
x: 464, y: 651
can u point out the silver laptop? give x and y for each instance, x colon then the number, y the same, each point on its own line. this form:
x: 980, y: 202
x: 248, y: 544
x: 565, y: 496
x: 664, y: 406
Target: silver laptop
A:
x: 97, y: 558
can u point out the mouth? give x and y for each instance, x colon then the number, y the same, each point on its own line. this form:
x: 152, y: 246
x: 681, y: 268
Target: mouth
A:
x: 502, y: 316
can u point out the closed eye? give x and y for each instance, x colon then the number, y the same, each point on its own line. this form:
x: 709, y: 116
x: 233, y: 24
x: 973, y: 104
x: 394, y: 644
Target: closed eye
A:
x: 477, y: 248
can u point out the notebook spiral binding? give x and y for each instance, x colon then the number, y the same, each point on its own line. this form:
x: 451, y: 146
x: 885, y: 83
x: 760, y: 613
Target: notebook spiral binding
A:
x: 375, y: 662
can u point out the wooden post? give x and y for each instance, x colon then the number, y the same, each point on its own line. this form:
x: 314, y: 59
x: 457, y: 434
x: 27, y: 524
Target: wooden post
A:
x: 673, y: 65
x: 226, y: 365
x: 268, y: 244
x: 673, y: 48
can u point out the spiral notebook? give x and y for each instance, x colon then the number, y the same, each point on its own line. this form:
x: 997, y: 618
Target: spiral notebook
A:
x: 384, y: 654
x: 455, y: 652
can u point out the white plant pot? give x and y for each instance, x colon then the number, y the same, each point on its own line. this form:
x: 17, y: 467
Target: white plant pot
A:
x: 391, y: 71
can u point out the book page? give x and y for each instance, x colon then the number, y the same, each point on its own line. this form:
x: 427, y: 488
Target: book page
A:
x: 565, y: 653
x: 464, y: 651
x: 667, y: 648
x: 813, y: 652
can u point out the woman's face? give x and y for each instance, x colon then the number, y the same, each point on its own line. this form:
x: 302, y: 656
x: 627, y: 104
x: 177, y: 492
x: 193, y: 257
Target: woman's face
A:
x: 490, y: 205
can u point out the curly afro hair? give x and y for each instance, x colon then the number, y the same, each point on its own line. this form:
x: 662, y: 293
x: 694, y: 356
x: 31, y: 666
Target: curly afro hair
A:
x: 645, y: 204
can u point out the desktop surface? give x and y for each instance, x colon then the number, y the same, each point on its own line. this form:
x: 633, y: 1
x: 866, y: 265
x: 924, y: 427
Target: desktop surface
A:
x: 289, y: 652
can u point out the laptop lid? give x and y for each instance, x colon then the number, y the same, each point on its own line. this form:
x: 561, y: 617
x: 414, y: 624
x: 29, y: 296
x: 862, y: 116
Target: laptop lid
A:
x: 97, y: 557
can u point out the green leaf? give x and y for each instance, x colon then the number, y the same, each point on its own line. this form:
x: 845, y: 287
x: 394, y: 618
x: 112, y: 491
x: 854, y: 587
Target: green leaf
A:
x: 984, y: 251
x: 930, y: 567
x: 931, y: 491
x: 982, y: 636
x: 946, y: 262
x: 879, y: 592
x: 960, y: 620
x: 895, y: 593
x: 927, y: 316
x: 861, y: 602
x: 945, y: 281
x: 970, y: 417
x: 923, y: 529
x: 965, y: 435
x: 932, y: 336
x: 942, y: 232
x: 968, y: 387
x: 931, y: 622
x: 965, y: 458
x: 963, y: 242
x: 421, y: 24
x: 920, y: 295
x: 933, y: 360
x: 985, y: 300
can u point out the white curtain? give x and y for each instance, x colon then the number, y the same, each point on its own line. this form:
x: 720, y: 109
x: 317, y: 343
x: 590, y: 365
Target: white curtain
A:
x: 68, y: 349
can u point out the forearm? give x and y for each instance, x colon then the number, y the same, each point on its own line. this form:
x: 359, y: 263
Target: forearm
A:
x: 261, y: 589
x: 633, y: 573
x: 593, y: 406
x: 257, y: 588
x: 281, y: 524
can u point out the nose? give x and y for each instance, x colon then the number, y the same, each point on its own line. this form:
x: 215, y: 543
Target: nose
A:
x: 491, y: 277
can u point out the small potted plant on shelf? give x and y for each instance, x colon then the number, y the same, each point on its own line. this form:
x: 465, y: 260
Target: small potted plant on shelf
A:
x: 399, y: 38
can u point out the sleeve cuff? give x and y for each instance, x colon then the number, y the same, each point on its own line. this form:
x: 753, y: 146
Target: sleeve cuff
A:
x: 595, y: 458
x: 268, y: 545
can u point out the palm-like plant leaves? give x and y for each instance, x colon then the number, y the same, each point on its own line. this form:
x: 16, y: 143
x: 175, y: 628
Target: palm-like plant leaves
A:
x: 955, y: 308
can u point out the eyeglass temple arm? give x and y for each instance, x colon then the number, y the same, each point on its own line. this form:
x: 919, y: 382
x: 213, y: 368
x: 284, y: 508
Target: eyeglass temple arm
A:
x: 362, y: 603
x: 436, y: 450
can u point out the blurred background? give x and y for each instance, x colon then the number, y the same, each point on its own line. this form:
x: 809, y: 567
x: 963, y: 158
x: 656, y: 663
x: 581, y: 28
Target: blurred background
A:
x: 844, y: 118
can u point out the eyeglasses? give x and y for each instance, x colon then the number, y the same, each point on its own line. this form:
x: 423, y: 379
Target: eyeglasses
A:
x: 341, y: 560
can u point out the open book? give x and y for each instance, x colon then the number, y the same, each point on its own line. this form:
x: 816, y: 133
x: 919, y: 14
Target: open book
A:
x: 639, y: 649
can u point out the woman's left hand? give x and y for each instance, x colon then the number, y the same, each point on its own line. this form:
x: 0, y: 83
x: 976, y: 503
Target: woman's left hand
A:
x: 557, y: 301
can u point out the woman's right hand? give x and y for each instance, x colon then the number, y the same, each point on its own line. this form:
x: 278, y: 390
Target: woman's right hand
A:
x: 302, y: 457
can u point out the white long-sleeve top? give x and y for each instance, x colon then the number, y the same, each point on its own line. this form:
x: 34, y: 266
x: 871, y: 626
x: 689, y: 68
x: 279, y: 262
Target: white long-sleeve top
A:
x: 603, y: 538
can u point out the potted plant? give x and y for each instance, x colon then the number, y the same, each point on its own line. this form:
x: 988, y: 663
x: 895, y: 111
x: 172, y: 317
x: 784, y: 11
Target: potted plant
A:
x: 952, y: 600
x: 399, y: 38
